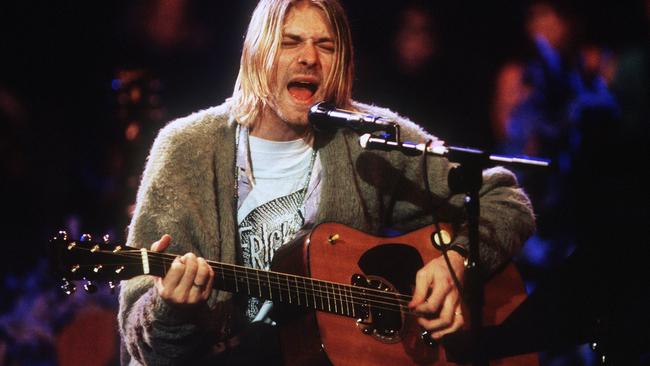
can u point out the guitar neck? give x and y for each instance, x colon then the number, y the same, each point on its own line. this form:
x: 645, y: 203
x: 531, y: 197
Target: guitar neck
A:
x: 87, y: 260
x: 346, y: 300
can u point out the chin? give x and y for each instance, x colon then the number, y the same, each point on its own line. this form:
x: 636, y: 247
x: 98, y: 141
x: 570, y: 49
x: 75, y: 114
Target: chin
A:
x: 295, y: 116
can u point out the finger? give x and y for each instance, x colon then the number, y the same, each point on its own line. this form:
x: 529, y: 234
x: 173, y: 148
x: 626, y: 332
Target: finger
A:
x: 423, y: 280
x: 161, y: 244
x: 446, y: 317
x: 200, y: 281
x: 172, y: 278
x: 208, y: 287
x: 435, y: 301
x: 459, y: 321
x: 202, y: 272
x: 185, y: 284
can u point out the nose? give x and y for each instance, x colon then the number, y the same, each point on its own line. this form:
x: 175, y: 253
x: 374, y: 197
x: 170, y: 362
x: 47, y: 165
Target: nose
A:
x: 308, y: 55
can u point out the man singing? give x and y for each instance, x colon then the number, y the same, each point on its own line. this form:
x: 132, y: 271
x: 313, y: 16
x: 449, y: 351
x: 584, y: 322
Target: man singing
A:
x: 236, y: 182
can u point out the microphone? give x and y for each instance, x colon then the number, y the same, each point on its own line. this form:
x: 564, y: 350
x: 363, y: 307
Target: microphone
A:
x: 325, y: 117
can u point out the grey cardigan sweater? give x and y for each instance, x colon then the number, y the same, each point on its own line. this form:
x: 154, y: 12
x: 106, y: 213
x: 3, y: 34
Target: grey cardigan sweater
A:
x: 188, y: 190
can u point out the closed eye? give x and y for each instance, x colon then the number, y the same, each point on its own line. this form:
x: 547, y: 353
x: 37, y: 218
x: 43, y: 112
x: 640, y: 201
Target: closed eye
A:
x: 292, y: 40
x: 326, y: 45
x: 289, y: 41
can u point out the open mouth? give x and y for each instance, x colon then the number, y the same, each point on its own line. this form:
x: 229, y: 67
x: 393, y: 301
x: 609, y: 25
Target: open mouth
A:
x: 302, y: 90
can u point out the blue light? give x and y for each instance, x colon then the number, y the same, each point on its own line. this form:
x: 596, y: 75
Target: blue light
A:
x: 116, y: 84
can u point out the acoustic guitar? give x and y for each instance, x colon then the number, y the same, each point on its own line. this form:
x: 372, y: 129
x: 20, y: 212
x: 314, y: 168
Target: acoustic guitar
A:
x: 342, y: 293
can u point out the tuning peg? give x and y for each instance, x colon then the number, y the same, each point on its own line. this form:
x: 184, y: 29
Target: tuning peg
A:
x: 68, y: 287
x: 106, y: 238
x: 90, y: 287
x: 86, y: 237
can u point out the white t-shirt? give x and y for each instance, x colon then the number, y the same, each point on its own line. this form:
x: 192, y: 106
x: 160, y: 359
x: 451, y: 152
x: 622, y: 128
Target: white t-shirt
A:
x: 272, y: 212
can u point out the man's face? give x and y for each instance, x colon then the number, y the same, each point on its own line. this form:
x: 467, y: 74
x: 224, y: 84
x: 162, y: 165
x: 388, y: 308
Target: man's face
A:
x: 304, y: 62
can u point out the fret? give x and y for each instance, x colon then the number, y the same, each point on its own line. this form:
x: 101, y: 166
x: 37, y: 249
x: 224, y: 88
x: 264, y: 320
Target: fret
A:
x: 304, y: 284
x: 288, y: 288
x: 336, y: 301
x: 339, y: 300
x: 248, y: 284
x: 327, y: 293
x: 332, y: 294
x: 336, y: 309
x: 322, y: 304
x: 351, y: 288
x: 345, y: 301
x: 268, y: 277
x: 234, y: 271
x: 297, y: 289
x: 313, y: 292
x: 223, y: 275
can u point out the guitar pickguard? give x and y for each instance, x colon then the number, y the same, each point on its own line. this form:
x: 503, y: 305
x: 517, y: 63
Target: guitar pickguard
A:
x: 396, y: 263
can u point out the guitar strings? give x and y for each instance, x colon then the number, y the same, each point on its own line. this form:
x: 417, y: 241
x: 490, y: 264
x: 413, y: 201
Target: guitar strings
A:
x: 342, y: 298
x: 371, y: 295
x: 246, y: 271
x: 331, y: 301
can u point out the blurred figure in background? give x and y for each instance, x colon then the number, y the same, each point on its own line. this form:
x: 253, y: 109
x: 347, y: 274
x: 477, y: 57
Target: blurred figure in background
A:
x: 541, y: 106
x: 412, y: 78
x: 574, y: 101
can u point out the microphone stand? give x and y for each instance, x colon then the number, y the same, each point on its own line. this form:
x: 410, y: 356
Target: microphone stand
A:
x: 465, y: 178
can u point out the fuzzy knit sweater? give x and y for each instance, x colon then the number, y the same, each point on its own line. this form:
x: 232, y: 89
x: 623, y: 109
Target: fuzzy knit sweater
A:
x: 188, y: 190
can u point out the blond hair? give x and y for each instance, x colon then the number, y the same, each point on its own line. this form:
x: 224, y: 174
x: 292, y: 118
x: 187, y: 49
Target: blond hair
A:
x: 253, y: 88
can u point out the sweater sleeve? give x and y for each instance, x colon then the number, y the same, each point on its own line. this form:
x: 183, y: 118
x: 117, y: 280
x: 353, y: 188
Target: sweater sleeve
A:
x: 506, y: 215
x: 168, y: 201
x: 154, y: 333
x: 506, y: 219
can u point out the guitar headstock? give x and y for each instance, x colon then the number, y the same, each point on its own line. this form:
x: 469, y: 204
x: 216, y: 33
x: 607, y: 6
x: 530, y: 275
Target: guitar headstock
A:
x: 91, y: 261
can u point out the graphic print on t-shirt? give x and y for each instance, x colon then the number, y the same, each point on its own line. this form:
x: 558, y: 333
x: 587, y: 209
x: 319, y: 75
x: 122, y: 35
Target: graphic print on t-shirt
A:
x: 264, y: 230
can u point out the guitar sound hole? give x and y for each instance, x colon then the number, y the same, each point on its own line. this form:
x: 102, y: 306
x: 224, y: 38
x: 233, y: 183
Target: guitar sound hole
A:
x: 381, y: 316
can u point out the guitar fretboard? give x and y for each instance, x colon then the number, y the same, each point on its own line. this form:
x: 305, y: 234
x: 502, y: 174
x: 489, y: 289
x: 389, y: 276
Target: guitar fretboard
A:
x: 346, y: 300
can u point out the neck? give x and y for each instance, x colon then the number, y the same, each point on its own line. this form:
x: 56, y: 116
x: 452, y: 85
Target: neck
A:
x: 271, y: 127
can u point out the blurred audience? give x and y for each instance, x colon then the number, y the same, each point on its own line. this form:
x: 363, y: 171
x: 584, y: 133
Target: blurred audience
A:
x: 573, y: 101
x: 542, y: 106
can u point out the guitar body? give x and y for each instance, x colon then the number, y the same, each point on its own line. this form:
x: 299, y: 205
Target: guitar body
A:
x: 336, y: 253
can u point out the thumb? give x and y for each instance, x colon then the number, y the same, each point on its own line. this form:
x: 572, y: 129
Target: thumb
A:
x: 161, y: 244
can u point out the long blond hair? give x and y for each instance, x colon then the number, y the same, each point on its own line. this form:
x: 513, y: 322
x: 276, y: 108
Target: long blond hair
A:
x: 253, y: 88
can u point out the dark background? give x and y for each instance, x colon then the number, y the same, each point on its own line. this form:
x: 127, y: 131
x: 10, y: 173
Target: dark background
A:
x: 66, y: 162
